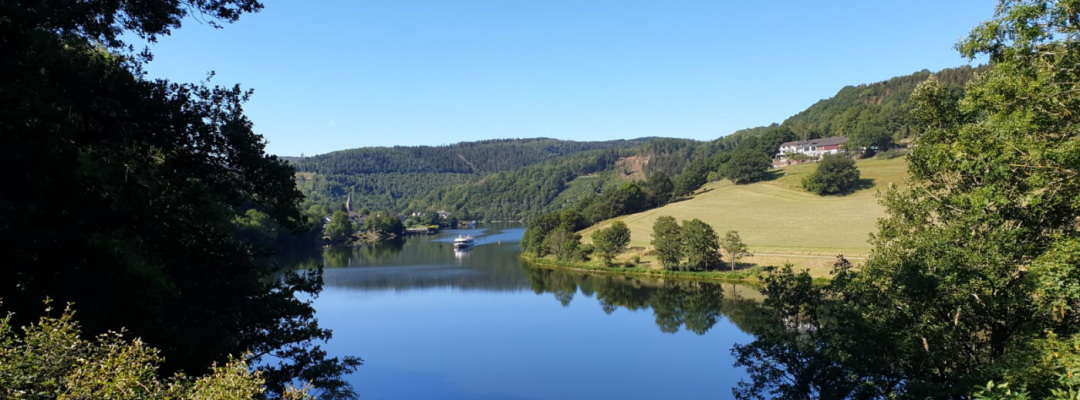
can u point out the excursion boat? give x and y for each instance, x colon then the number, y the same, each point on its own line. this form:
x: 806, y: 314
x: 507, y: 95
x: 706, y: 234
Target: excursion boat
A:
x: 463, y: 242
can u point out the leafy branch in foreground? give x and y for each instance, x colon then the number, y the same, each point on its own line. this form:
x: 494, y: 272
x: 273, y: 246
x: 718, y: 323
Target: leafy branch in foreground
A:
x: 49, y: 359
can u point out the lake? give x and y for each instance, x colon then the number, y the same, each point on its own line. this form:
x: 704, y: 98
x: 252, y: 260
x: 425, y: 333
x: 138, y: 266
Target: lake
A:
x: 434, y: 323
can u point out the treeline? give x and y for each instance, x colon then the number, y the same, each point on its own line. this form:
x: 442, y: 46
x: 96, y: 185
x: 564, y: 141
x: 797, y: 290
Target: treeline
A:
x: 522, y: 178
x: 481, y: 157
x: 152, y: 207
x: 384, y: 191
x: 876, y: 114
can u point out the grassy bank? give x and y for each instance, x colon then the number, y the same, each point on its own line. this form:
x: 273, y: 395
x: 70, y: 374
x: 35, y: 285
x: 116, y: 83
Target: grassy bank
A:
x: 779, y: 220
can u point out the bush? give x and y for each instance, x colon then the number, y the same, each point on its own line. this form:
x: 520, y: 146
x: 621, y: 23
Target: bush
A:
x: 50, y: 360
x: 836, y: 174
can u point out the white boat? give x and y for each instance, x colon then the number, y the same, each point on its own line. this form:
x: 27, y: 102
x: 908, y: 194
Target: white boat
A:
x: 463, y: 242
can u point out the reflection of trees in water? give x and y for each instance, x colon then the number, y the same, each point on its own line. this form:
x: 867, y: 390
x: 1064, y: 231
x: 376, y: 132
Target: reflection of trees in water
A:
x: 697, y: 306
x: 420, y: 262
x: 810, y: 346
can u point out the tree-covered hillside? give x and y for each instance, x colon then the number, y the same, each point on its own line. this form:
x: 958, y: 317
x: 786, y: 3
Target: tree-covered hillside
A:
x: 520, y: 178
x: 395, y: 178
x: 524, y: 192
x: 482, y: 157
x: 873, y: 114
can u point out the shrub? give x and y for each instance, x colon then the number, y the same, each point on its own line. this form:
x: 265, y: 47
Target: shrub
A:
x: 836, y: 174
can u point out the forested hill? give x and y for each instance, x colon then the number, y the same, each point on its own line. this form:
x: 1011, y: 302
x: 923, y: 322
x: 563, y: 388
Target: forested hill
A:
x: 871, y: 114
x: 398, y: 178
x: 521, y: 178
x: 481, y: 157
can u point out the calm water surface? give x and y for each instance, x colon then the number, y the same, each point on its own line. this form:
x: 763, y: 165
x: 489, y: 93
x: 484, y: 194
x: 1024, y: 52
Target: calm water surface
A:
x: 432, y: 323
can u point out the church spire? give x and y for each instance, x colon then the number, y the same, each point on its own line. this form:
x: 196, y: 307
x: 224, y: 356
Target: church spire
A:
x: 348, y: 203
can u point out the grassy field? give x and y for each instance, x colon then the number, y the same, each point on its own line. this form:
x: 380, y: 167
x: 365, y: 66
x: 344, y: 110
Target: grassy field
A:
x: 779, y: 220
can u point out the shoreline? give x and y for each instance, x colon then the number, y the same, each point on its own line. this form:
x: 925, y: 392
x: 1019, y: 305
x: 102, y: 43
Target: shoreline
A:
x: 751, y: 276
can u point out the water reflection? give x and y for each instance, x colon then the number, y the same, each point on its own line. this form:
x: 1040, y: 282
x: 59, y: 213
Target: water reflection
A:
x: 695, y: 306
x: 434, y: 323
x: 429, y: 262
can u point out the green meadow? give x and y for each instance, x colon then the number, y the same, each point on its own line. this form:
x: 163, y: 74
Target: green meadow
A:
x: 779, y: 220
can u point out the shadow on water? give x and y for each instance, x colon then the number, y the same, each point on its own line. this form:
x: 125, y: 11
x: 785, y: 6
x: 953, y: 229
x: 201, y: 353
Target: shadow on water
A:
x: 695, y: 306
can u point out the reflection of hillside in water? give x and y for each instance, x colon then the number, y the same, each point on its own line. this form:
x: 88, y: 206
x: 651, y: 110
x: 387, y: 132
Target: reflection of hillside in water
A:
x: 430, y: 262
x: 697, y: 306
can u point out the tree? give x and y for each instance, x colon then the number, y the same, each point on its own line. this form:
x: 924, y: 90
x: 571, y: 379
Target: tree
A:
x: 667, y: 241
x: 746, y: 166
x: 659, y: 188
x: 734, y: 247
x: 564, y: 243
x: 690, y: 179
x: 700, y: 245
x: 973, y: 276
x: 49, y: 359
x: 611, y: 241
x: 537, y: 231
x: 130, y: 210
x: 836, y: 174
x: 340, y: 228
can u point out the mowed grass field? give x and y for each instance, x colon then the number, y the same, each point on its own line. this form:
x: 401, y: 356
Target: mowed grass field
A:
x: 778, y: 219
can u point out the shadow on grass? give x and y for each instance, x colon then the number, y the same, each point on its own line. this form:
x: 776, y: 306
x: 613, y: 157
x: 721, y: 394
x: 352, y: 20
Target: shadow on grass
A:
x: 864, y: 183
x: 771, y: 175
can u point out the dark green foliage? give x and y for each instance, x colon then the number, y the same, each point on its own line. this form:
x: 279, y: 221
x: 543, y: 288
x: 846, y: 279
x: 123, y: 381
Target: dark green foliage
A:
x: 836, y: 174
x: 611, y: 241
x: 973, y: 274
x: 747, y: 166
x: 340, y: 228
x: 555, y: 233
x: 700, y: 245
x: 477, y: 158
x: 384, y: 223
x: 564, y: 243
x: 130, y: 197
x: 876, y: 113
x: 690, y: 179
x: 659, y: 189
x: 667, y: 242
x: 537, y: 231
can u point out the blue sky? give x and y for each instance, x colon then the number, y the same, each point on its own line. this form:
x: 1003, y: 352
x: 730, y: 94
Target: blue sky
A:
x: 332, y: 75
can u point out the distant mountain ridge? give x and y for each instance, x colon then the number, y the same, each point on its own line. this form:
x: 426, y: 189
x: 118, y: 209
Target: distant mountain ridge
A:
x: 509, y: 179
x: 480, y: 157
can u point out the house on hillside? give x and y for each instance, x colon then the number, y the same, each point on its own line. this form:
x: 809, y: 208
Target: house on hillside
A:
x: 801, y: 151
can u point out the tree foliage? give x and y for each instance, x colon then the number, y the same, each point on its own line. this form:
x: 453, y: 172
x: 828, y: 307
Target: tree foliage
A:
x: 131, y: 196
x: 973, y: 274
x: 700, y: 245
x: 667, y: 241
x: 733, y: 245
x: 747, y: 166
x: 50, y: 359
x: 340, y: 228
x: 835, y: 174
x: 611, y: 241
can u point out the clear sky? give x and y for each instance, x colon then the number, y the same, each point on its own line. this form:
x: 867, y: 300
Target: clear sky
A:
x: 332, y: 75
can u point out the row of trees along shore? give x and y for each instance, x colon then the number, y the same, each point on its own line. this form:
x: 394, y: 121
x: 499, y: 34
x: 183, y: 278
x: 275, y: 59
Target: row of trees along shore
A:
x: 143, y: 203
x: 693, y: 246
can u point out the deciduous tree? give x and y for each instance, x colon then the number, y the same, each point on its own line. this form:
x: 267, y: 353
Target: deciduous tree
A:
x: 700, y: 245
x: 733, y: 245
x: 611, y: 241
x: 667, y: 242
x: 835, y: 174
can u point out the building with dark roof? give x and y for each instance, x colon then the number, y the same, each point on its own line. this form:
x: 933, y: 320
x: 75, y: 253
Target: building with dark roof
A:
x: 810, y: 150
